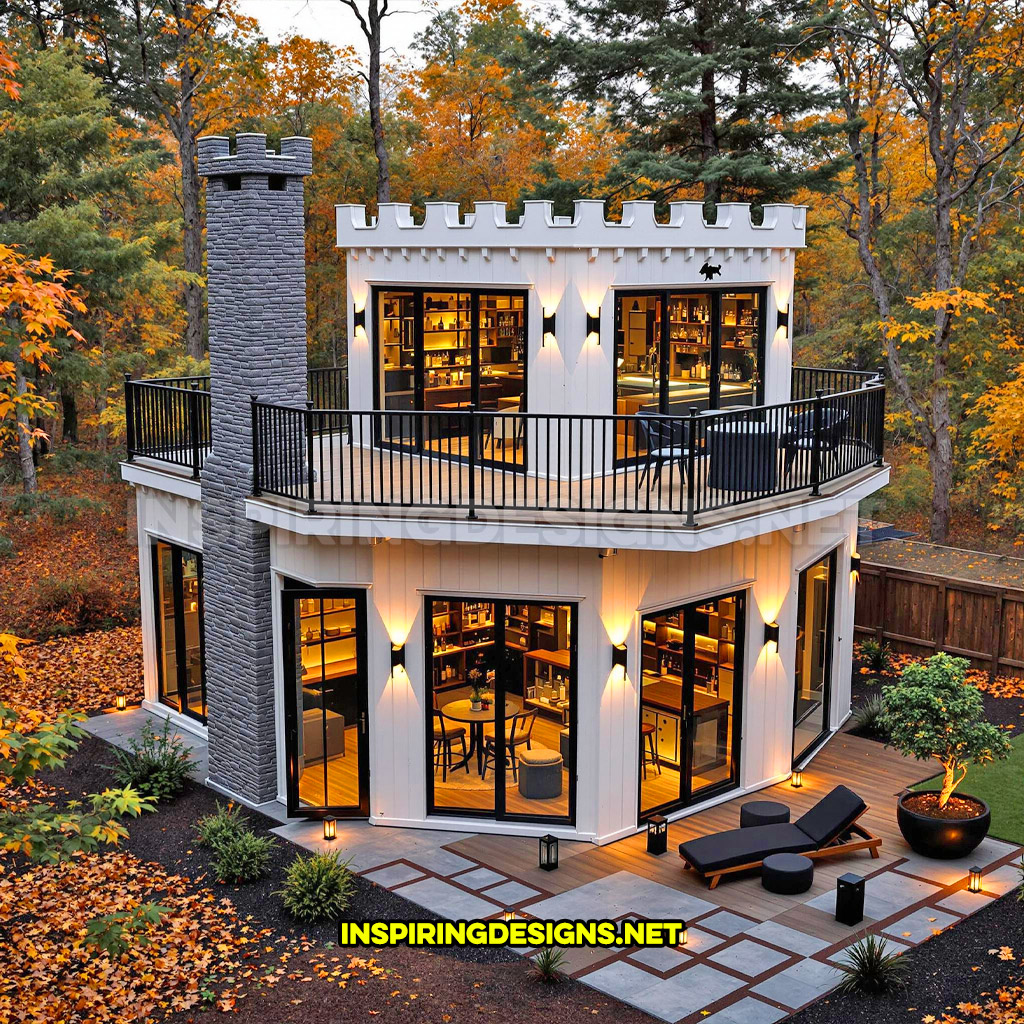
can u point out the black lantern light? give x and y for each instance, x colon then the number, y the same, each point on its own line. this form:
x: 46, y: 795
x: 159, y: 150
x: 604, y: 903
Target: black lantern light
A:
x: 657, y: 835
x: 974, y: 880
x: 330, y: 828
x: 548, y: 853
x: 508, y: 915
x: 797, y: 779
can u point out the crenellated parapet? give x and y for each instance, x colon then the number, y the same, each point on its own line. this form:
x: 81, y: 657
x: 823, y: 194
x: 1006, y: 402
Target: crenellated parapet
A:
x: 251, y: 156
x: 782, y: 227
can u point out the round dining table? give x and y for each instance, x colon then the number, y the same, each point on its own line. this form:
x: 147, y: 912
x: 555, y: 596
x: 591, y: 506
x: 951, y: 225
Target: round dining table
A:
x: 462, y: 711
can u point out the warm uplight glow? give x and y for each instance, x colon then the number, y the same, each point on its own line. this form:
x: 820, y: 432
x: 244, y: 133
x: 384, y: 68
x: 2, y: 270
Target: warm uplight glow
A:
x: 797, y: 779
x: 330, y: 828
x: 360, y: 335
x: 122, y: 702
x: 974, y: 880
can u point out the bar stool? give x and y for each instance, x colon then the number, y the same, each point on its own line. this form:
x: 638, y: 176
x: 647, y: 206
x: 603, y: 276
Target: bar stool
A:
x: 648, y: 750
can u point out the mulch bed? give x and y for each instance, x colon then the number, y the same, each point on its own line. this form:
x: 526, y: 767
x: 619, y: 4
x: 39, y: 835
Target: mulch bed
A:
x: 441, y: 984
x: 962, y: 965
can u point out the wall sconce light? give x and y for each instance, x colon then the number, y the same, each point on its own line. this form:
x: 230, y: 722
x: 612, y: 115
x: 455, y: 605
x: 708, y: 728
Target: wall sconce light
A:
x: 121, y: 702
x: 855, y: 566
x: 619, y: 657
x: 594, y: 326
x: 548, y: 330
x: 974, y: 880
x: 548, y: 853
x: 657, y: 835
x: 508, y: 915
x: 797, y: 779
x: 397, y: 657
x: 330, y: 828
x: 783, y: 319
x: 771, y: 634
x: 359, y: 318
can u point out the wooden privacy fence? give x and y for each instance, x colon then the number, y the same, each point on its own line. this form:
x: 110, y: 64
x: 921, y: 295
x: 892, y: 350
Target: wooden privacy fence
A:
x: 920, y: 613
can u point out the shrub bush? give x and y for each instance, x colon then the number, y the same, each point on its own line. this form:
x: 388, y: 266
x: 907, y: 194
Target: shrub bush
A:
x: 242, y: 857
x: 870, y: 967
x: 548, y: 964
x: 72, y: 604
x: 868, y: 719
x: 156, y: 765
x: 877, y: 656
x: 55, y: 506
x: 318, y: 887
x: 225, y: 823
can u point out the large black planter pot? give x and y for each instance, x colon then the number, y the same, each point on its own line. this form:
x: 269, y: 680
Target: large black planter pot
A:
x: 942, y: 838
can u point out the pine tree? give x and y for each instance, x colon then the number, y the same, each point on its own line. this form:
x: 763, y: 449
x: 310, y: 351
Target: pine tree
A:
x: 710, y: 91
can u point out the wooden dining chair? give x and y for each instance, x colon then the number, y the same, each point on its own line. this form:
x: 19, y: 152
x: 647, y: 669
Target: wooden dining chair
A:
x: 520, y: 731
x: 446, y: 734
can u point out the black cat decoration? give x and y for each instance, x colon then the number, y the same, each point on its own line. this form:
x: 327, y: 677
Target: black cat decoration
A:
x: 709, y: 271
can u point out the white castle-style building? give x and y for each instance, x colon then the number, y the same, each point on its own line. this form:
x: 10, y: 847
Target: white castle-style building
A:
x: 569, y: 542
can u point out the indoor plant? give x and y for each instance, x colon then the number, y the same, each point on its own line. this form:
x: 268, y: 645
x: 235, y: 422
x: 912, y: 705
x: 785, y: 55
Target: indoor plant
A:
x: 932, y: 713
x: 476, y: 693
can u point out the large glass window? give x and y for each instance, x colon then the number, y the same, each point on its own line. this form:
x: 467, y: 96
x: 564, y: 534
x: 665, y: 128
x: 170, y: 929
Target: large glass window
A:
x: 450, y: 352
x: 677, y: 351
x: 178, y: 590
x: 689, y: 704
x: 511, y: 755
x: 815, y: 595
x: 327, y: 722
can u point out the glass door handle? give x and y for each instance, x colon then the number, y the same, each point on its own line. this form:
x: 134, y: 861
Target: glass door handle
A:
x: 362, y: 721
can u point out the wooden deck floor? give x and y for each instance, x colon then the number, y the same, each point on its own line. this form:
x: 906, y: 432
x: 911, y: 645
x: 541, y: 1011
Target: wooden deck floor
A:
x: 873, y: 772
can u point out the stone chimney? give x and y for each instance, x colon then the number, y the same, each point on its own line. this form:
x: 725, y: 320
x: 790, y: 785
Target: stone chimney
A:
x: 255, y: 247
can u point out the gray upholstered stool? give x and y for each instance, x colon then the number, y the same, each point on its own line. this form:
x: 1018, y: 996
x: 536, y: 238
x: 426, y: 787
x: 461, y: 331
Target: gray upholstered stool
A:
x: 787, y: 873
x: 763, y: 812
x: 540, y: 773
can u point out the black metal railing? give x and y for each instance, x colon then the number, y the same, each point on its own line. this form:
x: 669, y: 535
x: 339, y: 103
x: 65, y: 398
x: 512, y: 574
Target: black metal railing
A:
x: 168, y: 419
x: 681, y: 465
x: 806, y: 381
x: 328, y: 387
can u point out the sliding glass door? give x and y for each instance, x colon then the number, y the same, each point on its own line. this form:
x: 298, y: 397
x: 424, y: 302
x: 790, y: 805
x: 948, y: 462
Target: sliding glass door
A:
x: 690, y: 717
x: 178, y: 592
x: 326, y: 702
x: 510, y: 756
x: 813, y: 675
x: 450, y: 352
x: 682, y: 350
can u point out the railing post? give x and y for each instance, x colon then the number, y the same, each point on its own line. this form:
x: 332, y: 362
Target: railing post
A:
x: 472, y: 465
x: 816, y: 442
x: 193, y: 426
x: 691, y: 465
x: 253, y: 399
x: 880, y: 424
x: 129, y: 416
x: 310, y: 471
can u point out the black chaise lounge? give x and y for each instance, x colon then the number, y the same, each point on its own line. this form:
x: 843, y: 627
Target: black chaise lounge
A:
x: 828, y: 829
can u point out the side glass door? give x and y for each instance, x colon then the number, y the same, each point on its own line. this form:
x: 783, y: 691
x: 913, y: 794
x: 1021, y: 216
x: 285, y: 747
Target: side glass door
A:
x: 813, y: 674
x: 326, y: 708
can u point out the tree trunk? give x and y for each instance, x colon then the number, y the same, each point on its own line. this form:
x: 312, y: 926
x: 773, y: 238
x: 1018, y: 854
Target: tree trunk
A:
x: 69, y: 407
x: 948, y: 785
x: 29, y: 482
x: 708, y: 113
x: 192, y: 234
x: 376, y: 121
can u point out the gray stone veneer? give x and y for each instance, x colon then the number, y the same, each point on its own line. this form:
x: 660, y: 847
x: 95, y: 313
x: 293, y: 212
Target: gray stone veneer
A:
x: 257, y: 313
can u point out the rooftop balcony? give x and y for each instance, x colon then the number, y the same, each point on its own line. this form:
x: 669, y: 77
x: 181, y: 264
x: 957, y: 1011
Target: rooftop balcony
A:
x: 687, y: 471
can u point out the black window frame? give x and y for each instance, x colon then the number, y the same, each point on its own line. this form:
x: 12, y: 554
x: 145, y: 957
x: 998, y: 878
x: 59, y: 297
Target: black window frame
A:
x: 499, y: 813
x: 291, y: 591
x: 686, y: 798
x: 178, y: 599
x: 474, y: 292
x: 830, y: 628
x: 715, y: 297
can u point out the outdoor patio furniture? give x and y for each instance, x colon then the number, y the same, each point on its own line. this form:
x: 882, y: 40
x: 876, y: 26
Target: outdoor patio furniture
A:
x: 519, y: 732
x: 800, y: 435
x: 828, y: 829
x: 446, y: 734
x: 540, y: 774
x: 664, y: 441
x: 742, y: 457
x: 763, y: 812
x: 787, y: 874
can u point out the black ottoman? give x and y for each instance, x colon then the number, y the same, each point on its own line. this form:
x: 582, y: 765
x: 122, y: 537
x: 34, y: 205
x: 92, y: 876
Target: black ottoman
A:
x: 787, y: 873
x: 763, y: 812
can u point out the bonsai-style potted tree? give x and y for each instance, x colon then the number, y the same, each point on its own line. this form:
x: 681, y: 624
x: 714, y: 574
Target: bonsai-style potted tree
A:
x: 932, y: 713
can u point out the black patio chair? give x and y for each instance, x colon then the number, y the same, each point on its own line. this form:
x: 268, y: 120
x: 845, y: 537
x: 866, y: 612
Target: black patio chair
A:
x: 799, y: 434
x: 665, y: 441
